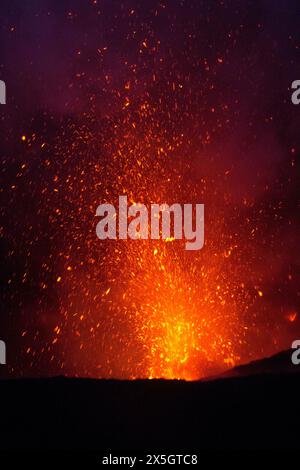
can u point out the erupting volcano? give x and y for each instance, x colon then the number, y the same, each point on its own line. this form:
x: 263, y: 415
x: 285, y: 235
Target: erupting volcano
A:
x: 162, y: 118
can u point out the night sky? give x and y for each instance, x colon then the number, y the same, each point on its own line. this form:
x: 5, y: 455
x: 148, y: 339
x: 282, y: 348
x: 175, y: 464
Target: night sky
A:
x: 165, y: 101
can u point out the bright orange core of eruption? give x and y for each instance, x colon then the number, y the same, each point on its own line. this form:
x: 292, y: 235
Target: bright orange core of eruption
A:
x: 176, y: 348
x: 185, y: 319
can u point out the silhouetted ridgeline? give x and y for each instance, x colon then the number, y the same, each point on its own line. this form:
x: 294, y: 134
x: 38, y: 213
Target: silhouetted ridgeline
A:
x: 258, y: 411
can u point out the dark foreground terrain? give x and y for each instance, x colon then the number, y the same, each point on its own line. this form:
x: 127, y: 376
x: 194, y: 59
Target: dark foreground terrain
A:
x: 260, y: 410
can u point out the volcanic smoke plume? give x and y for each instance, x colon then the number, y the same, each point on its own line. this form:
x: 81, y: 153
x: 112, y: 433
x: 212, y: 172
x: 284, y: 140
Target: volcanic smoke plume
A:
x: 172, y: 101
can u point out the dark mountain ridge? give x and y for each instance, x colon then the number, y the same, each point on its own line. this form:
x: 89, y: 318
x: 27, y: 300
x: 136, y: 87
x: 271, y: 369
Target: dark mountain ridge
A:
x: 257, y: 408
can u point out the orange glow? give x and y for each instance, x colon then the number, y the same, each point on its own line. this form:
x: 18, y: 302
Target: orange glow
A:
x: 149, y: 308
x: 291, y: 317
x: 145, y: 308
